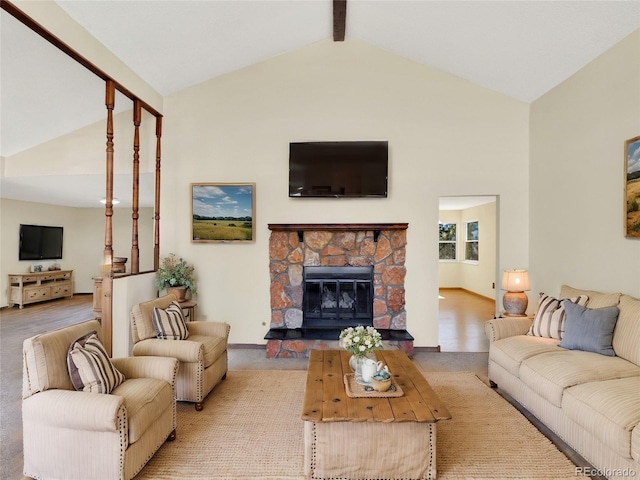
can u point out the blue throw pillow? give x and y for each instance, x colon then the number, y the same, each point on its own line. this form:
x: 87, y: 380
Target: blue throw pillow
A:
x: 588, y: 329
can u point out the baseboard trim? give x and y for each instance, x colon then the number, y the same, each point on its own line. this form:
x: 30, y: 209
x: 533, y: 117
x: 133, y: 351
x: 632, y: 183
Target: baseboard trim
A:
x: 246, y: 346
x: 470, y: 292
x: 427, y: 349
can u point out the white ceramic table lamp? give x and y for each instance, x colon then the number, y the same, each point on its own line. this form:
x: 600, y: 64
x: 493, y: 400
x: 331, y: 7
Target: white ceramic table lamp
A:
x: 515, y: 301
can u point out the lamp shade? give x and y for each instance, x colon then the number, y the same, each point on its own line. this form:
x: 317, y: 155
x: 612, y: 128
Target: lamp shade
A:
x: 515, y: 281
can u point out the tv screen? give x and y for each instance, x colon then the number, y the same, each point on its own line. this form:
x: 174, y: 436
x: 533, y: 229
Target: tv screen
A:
x: 338, y: 169
x: 38, y: 242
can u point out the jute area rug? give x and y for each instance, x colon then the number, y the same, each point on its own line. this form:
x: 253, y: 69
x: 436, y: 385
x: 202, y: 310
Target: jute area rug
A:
x: 251, y: 429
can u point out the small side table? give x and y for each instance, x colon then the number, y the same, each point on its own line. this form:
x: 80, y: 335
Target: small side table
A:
x: 189, y: 310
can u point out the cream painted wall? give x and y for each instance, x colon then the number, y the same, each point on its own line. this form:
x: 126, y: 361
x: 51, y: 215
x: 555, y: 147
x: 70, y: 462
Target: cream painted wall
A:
x: 446, y: 137
x: 474, y: 277
x: 83, y: 151
x: 127, y: 292
x: 478, y: 277
x: 577, y: 138
x: 83, y: 240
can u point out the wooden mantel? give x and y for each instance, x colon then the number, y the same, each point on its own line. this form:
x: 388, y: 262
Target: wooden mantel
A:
x: 302, y: 227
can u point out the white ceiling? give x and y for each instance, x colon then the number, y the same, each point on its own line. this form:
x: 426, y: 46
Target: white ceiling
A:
x: 519, y: 48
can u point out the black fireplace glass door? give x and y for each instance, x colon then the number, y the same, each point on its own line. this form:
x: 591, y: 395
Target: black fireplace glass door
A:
x: 337, y: 297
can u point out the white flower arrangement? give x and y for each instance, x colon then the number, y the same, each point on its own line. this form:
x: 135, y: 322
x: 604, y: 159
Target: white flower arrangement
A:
x: 360, y: 340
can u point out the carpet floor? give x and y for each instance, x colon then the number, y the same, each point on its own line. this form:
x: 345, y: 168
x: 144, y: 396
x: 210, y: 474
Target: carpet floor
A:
x: 250, y: 429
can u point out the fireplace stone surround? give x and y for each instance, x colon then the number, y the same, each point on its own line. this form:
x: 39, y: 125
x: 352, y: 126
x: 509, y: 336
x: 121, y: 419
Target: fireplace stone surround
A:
x: 294, y: 246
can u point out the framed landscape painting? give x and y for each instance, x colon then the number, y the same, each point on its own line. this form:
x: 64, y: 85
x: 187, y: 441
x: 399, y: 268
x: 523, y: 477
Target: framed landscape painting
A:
x: 223, y: 212
x: 632, y: 187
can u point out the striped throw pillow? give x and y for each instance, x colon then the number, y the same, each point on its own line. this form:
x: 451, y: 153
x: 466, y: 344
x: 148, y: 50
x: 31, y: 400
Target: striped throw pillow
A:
x: 89, y: 366
x: 170, y: 323
x: 550, y: 318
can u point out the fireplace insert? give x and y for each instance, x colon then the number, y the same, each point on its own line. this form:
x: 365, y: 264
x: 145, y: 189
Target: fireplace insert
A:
x: 337, y: 297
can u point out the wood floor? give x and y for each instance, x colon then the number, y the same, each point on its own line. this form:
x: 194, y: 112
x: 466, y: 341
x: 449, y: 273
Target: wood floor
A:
x: 461, y: 318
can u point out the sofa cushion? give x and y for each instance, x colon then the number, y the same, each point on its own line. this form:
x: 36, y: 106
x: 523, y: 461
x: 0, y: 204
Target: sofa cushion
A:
x: 213, y: 347
x: 589, y: 329
x: 596, y: 299
x: 549, y: 374
x: 169, y: 323
x: 511, y: 351
x: 608, y: 410
x: 550, y: 317
x: 142, y: 324
x: 89, y: 366
x: 627, y: 332
x: 145, y: 400
x: 45, y: 358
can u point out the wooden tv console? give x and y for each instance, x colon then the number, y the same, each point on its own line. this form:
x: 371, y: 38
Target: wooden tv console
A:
x: 35, y: 287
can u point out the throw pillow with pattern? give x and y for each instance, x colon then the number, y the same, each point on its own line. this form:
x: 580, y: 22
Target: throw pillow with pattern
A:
x: 550, y: 318
x: 170, y: 323
x: 89, y: 366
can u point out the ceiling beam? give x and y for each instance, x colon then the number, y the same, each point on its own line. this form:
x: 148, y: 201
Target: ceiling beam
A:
x: 339, y: 20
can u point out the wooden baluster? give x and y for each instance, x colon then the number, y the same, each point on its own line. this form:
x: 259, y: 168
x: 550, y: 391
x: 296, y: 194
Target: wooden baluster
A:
x: 107, y: 274
x: 135, y: 202
x: 156, y: 234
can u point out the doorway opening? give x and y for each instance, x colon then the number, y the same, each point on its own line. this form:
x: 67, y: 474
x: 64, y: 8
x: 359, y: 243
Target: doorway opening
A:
x: 467, y: 273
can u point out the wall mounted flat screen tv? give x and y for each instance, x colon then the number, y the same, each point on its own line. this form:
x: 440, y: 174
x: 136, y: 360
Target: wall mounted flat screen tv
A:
x: 338, y: 169
x: 39, y: 242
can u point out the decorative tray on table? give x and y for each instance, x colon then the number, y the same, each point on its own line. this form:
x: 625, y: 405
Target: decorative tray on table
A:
x: 355, y: 389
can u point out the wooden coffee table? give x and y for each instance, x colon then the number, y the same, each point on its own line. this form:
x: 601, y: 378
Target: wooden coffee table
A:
x: 373, y: 437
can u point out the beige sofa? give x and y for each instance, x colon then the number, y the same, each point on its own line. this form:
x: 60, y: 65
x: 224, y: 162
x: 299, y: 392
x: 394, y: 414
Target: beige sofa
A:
x: 591, y: 401
x: 69, y: 434
x: 202, y: 356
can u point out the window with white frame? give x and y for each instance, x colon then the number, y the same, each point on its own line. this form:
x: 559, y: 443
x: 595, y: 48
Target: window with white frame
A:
x: 448, y: 241
x: 471, y: 242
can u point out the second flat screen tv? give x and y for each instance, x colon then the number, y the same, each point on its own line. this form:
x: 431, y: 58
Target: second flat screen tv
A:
x: 338, y: 169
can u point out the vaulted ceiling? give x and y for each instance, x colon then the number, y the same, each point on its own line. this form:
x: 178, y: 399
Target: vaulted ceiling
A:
x: 519, y: 48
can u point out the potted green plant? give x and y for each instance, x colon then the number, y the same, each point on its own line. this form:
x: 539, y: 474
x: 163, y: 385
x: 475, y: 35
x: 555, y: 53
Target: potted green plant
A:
x: 176, y: 276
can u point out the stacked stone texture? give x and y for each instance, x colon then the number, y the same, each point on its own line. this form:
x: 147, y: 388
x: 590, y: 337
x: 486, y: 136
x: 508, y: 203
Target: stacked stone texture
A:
x: 337, y: 248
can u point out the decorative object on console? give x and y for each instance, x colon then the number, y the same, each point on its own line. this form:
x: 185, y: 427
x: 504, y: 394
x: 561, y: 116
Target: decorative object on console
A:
x: 119, y: 265
x: 223, y: 212
x: 177, y: 275
x: 632, y: 187
x: 515, y: 301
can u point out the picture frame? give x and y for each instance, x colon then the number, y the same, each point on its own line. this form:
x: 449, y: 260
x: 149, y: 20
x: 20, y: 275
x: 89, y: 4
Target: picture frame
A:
x: 632, y: 188
x: 223, y: 212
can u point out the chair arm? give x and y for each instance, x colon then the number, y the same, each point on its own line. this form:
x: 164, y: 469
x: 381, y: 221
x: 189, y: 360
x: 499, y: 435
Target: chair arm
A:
x: 210, y: 329
x: 506, y: 327
x: 184, y: 350
x: 160, y: 368
x: 71, y: 409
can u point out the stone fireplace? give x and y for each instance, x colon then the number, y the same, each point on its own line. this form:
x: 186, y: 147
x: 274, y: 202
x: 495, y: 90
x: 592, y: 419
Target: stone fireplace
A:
x: 325, y: 277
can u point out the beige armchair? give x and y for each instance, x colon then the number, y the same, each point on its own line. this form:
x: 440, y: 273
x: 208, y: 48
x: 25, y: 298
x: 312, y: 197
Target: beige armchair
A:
x: 70, y: 434
x: 202, y: 356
